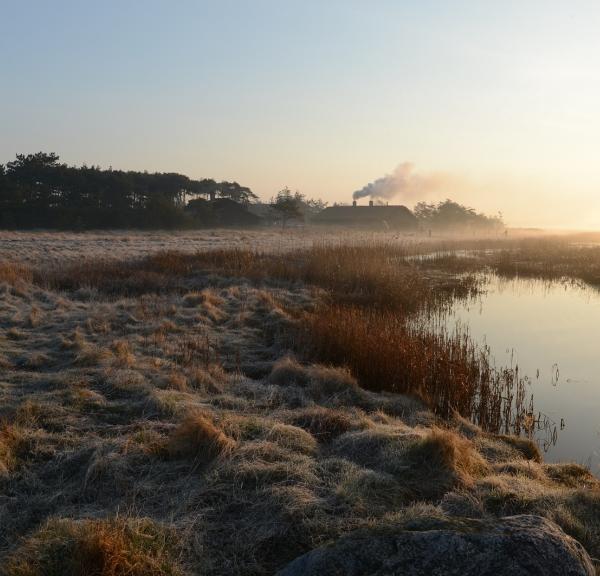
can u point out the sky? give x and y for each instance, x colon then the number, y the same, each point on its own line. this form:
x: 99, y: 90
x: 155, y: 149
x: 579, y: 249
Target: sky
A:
x: 495, y: 102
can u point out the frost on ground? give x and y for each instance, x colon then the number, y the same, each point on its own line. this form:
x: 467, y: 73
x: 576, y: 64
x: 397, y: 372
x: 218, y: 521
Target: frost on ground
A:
x: 175, y: 433
x: 39, y: 246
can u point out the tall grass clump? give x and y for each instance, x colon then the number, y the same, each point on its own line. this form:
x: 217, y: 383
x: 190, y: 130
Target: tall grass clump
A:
x: 113, y: 547
x: 385, y: 352
x: 13, y: 272
x: 198, y: 438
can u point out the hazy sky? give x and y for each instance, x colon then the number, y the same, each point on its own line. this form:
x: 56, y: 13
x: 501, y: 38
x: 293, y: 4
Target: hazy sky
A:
x: 498, y: 101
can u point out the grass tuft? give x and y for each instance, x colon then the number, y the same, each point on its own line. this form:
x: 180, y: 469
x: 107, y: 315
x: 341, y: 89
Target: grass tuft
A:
x: 198, y: 438
x: 324, y: 424
x: 14, y: 272
x: 112, y: 547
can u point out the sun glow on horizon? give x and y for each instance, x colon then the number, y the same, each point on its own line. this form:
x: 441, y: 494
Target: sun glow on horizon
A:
x: 321, y: 98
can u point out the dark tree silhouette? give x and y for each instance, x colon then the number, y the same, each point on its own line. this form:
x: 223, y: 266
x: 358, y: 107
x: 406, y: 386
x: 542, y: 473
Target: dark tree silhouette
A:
x: 452, y: 215
x: 287, y: 206
x: 37, y: 190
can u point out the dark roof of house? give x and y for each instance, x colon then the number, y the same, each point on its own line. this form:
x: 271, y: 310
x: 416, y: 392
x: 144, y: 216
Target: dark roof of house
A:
x: 367, y: 215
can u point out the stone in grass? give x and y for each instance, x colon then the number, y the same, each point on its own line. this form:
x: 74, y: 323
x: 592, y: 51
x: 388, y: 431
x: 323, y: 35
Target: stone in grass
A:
x: 513, y: 546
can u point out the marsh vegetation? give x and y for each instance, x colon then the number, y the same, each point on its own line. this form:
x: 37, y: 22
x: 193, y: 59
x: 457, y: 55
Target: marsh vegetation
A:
x: 224, y: 411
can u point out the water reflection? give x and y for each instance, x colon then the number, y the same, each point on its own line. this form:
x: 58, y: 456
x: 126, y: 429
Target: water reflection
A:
x: 550, y: 331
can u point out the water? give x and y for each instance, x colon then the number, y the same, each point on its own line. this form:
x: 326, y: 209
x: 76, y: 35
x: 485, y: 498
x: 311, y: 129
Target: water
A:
x: 551, y: 331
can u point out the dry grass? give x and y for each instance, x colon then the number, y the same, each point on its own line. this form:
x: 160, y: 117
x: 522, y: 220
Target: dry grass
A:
x: 211, y: 379
x: 376, y: 274
x: 552, y: 258
x: 14, y: 272
x: 123, y: 353
x: 199, y: 439
x: 320, y: 382
x: 426, y: 465
x: 369, y: 491
x: 113, y: 547
x: 526, y: 447
x: 443, y: 449
x: 324, y: 424
x: 292, y: 438
x: 169, y: 389
x: 177, y: 381
x: 447, y: 371
x: 13, y: 443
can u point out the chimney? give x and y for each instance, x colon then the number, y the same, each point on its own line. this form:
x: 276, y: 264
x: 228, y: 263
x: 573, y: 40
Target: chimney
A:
x: 353, y: 202
x: 370, y: 202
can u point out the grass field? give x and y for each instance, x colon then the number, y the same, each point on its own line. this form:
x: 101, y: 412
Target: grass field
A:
x: 222, y: 409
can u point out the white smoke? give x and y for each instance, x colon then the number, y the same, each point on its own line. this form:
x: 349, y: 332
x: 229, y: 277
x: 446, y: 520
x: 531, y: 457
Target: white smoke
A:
x: 405, y: 182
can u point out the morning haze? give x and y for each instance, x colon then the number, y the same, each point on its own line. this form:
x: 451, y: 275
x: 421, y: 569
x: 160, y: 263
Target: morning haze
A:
x: 299, y: 288
x: 322, y: 97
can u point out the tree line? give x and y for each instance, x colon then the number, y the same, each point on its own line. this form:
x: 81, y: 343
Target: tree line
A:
x: 38, y: 191
x: 450, y: 215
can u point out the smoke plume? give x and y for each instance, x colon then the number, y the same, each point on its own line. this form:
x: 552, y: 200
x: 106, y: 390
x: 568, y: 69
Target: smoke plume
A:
x: 406, y: 183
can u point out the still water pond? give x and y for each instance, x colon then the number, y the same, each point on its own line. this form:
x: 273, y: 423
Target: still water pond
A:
x: 551, y: 331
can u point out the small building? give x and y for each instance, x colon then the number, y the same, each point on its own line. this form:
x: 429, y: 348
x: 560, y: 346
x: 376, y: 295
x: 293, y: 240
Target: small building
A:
x: 371, y: 216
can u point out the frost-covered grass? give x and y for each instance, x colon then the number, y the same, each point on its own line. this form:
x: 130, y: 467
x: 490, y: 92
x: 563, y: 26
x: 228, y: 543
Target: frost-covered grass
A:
x: 182, y: 431
x: 51, y: 246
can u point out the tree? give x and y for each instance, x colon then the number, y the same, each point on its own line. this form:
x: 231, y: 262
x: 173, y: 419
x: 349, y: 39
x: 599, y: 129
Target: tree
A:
x: 232, y: 190
x: 235, y: 192
x: 449, y: 214
x: 36, y: 190
x: 424, y: 212
x: 206, y: 187
x: 32, y: 162
x: 314, y: 206
x: 287, y: 206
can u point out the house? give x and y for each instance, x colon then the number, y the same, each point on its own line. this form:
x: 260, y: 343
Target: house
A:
x: 371, y: 216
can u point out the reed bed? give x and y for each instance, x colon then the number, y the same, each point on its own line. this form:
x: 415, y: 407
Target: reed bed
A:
x: 560, y: 258
x: 376, y: 274
x: 371, y: 318
x: 388, y: 352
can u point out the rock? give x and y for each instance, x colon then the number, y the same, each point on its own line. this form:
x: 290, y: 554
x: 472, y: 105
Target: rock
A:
x: 516, y: 546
